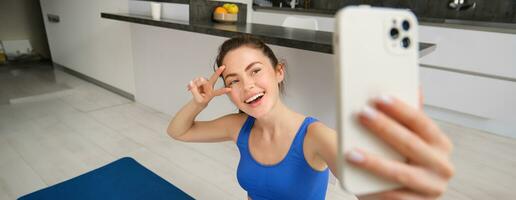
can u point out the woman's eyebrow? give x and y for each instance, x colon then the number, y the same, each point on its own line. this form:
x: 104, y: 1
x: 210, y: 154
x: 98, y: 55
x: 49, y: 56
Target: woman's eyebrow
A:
x: 246, y: 69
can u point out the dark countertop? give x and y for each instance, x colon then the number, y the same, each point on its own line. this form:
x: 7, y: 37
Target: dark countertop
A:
x: 318, y: 41
x: 170, y: 1
x: 298, y: 9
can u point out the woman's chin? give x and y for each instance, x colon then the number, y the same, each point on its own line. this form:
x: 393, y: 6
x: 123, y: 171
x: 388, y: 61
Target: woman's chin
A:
x: 256, y: 113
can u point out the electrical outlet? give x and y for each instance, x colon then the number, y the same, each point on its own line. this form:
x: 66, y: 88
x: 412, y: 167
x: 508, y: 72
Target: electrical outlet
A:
x: 53, y: 18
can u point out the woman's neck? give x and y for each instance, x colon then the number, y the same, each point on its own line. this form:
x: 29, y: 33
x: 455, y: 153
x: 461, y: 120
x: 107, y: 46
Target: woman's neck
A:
x: 279, y: 118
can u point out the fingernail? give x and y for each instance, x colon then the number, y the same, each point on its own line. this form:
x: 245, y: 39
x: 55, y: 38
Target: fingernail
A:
x: 385, y: 99
x: 369, y: 112
x: 191, y: 83
x: 355, y: 156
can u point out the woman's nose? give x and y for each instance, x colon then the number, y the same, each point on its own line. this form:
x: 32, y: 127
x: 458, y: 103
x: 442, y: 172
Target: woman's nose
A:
x: 248, y: 83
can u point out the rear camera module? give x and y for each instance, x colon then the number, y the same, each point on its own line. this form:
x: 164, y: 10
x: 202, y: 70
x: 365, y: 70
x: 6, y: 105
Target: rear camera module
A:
x: 394, y: 33
x: 405, y: 25
x: 405, y: 42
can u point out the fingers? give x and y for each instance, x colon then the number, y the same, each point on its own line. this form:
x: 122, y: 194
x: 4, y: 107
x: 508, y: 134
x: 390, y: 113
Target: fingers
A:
x: 200, y: 83
x: 396, y: 194
x: 216, y: 75
x: 421, y: 98
x: 221, y: 91
x: 413, y: 178
x: 202, y: 90
x: 207, y: 88
x: 405, y: 142
x: 195, y: 82
x: 414, y: 120
x: 405, y: 194
x: 195, y: 92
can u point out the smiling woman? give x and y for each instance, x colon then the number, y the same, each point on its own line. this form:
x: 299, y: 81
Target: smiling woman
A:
x: 254, y: 67
x: 253, y: 43
x: 281, y: 150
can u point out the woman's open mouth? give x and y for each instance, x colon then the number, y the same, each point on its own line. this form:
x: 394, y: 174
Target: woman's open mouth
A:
x: 255, y: 100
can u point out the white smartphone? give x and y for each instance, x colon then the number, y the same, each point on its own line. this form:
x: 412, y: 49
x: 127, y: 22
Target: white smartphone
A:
x: 376, y: 53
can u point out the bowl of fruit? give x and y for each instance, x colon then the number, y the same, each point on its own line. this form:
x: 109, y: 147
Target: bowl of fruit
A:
x: 228, y: 13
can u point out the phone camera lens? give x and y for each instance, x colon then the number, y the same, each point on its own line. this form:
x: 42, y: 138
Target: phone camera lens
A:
x: 405, y: 25
x: 405, y: 42
x: 394, y: 33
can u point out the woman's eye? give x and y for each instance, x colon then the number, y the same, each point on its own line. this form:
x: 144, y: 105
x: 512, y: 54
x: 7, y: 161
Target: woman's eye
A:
x: 232, y: 82
x: 256, y: 71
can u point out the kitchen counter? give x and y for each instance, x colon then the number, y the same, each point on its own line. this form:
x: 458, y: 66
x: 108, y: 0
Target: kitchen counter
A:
x: 318, y: 41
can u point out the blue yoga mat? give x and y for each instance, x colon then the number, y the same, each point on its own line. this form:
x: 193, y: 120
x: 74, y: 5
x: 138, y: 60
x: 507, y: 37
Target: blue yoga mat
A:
x: 122, y: 179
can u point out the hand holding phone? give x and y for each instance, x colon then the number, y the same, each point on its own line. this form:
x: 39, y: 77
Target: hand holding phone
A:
x: 376, y: 53
x: 393, y: 150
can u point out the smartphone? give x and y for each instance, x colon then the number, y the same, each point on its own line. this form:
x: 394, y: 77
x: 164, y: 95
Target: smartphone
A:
x: 376, y: 53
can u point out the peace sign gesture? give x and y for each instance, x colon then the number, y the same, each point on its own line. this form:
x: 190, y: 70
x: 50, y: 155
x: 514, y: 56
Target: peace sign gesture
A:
x: 202, y: 89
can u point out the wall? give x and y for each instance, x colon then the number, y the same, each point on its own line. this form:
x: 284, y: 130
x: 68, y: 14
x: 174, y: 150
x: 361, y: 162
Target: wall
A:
x: 86, y: 43
x: 166, y: 60
x: 21, y: 19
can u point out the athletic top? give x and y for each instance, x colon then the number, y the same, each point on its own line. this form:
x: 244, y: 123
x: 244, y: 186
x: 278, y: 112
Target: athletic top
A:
x: 291, y: 178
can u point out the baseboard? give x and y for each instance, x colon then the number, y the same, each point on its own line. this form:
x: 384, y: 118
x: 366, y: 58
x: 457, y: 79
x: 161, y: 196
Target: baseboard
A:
x: 94, y: 81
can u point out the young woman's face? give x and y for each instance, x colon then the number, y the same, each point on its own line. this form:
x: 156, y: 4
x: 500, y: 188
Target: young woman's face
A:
x: 253, y: 80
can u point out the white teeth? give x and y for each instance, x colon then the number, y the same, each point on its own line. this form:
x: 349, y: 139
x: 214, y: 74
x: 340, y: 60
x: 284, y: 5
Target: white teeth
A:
x: 254, y: 97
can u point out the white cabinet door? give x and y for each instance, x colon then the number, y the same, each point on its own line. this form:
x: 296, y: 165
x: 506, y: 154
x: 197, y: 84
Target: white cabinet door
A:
x: 475, y: 95
x: 482, y: 52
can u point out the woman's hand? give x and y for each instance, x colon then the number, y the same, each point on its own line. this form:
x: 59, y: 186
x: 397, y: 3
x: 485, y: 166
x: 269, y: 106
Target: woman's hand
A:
x: 409, y: 131
x: 202, y: 89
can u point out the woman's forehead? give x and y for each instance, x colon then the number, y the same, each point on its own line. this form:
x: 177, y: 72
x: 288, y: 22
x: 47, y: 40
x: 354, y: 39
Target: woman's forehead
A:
x: 240, y: 58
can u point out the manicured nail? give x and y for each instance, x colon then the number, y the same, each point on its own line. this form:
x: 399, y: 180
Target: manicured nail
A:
x: 369, y: 112
x: 191, y: 83
x: 355, y: 156
x: 385, y: 99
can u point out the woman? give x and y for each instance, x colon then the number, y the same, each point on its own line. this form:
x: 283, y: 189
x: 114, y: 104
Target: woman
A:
x: 287, y: 155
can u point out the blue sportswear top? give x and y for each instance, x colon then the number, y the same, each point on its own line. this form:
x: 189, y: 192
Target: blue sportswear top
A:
x: 291, y: 178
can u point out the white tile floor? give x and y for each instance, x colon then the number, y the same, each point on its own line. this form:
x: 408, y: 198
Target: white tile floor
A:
x: 47, y: 139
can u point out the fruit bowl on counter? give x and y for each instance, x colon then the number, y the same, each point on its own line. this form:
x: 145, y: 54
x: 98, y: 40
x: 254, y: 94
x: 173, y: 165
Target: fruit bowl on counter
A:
x: 225, y: 17
x: 228, y: 13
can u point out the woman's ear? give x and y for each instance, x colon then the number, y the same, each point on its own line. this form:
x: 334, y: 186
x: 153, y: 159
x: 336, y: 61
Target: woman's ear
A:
x: 280, y: 72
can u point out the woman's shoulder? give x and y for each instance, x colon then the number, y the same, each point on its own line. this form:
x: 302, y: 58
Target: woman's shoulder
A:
x: 319, y: 134
x: 234, y: 122
x: 235, y: 118
x: 320, y: 144
x: 317, y: 127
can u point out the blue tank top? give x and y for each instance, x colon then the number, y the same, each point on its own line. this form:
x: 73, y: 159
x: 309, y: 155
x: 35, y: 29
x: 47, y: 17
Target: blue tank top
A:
x: 291, y: 178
